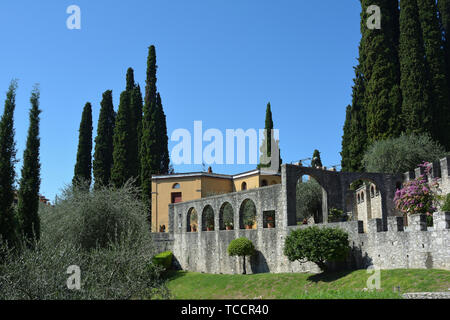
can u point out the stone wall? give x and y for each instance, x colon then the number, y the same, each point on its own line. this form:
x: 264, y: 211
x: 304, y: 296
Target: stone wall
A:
x: 383, y: 242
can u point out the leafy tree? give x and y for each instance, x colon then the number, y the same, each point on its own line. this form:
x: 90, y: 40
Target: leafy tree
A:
x: 402, y: 154
x: 346, y: 140
x: 227, y: 215
x: 136, y: 107
x: 316, y: 162
x: 103, y: 155
x: 380, y: 68
x: 248, y: 213
x: 241, y: 247
x: 28, y: 195
x: 162, y: 135
x: 317, y: 245
x: 134, y: 122
x: 208, y: 218
x: 417, y: 107
x: 308, y: 200
x: 8, y: 223
x: 436, y: 69
x: 83, y: 165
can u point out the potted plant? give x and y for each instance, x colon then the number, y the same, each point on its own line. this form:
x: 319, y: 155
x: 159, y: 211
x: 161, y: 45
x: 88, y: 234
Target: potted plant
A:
x: 228, y: 225
x: 194, y: 228
x: 248, y: 223
x: 210, y: 227
x: 270, y: 221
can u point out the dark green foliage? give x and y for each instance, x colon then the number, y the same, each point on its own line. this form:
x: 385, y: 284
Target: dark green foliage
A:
x: 402, y: 154
x: 380, y: 69
x: 8, y: 223
x: 83, y: 166
x: 337, y: 215
x: 268, y: 126
x: 120, y: 172
x: 163, y: 259
x: 228, y: 216
x: 149, y: 150
x: 28, y: 195
x: 316, y: 162
x: 436, y: 71
x: 162, y: 136
x: 241, y: 247
x: 446, y: 206
x: 208, y: 218
x: 103, y: 155
x: 308, y: 200
x: 346, y: 140
x: 136, y: 108
x: 317, y: 245
x: 248, y: 213
x: 417, y: 108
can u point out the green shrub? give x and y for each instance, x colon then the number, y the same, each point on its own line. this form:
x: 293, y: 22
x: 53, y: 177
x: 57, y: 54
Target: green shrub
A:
x: 163, y: 259
x: 120, y: 268
x: 317, y: 245
x: 446, y: 206
x: 401, y: 154
x: 241, y: 247
x: 337, y: 215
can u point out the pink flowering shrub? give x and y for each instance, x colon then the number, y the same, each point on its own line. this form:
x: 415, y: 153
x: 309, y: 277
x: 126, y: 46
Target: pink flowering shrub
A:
x: 419, y: 195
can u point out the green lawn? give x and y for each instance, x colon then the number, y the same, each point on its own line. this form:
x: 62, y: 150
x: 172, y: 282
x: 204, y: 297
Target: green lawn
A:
x: 341, y: 285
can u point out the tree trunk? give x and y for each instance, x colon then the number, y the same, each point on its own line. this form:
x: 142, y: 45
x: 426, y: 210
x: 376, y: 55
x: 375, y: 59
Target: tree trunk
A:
x: 244, y: 271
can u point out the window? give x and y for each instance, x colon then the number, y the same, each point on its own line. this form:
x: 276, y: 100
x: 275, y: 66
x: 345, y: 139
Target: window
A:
x: 176, y: 186
x: 264, y: 183
x: 176, y: 197
x: 244, y: 186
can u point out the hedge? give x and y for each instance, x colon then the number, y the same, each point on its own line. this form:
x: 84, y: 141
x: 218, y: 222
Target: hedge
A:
x: 163, y: 259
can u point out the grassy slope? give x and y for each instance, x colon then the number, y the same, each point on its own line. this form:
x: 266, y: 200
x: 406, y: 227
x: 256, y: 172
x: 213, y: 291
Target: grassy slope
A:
x: 191, y: 285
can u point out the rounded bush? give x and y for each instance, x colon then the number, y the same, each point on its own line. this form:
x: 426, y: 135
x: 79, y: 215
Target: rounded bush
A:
x: 241, y: 247
x: 163, y: 259
x: 317, y: 245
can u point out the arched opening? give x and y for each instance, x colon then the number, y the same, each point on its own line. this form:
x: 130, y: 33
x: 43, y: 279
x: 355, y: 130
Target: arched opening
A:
x: 244, y: 186
x: 176, y: 186
x: 247, y: 215
x: 310, y: 201
x: 264, y: 183
x: 208, y: 218
x: 366, y: 202
x: 192, y: 220
x: 226, y: 217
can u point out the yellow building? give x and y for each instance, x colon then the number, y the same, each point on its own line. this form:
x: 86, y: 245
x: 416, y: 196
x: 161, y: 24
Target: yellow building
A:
x: 178, y: 187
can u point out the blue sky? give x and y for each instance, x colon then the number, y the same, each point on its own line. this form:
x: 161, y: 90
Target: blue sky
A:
x: 218, y: 61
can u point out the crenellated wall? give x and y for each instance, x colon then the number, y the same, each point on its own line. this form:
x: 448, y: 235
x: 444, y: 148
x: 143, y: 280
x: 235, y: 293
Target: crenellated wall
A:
x: 383, y: 242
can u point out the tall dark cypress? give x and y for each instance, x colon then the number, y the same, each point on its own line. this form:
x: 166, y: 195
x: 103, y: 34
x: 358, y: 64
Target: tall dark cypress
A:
x: 150, y: 160
x: 416, y: 108
x: 267, y: 141
x: 162, y: 137
x: 346, y: 140
x: 380, y: 68
x: 30, y: 181
x: 134, y: 123
x: 316, y: 162
x: 137, y: 107
x: 8, y: 223
x: 436, y: 70
x: 120, y: 171
x: 83, y: 166
x: 103, y: 154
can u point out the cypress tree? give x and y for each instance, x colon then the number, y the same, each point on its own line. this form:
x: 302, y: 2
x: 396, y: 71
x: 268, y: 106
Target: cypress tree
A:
x: 30, y: 181
x: 83, y: 165
x: 150, y: 160
x: 120, y: 171
x: 436, y: 70
x: 346, y: 139
x: 380, y: 68
x: 8, y: 223
x: 316, y: 162
x: 268, y: 127
x: 162, y: 136
x: 416, y: 110
x: 103, y: 155
x: 134, y: 126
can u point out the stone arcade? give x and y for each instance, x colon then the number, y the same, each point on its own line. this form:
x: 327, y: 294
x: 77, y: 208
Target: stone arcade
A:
x: 384, y: 242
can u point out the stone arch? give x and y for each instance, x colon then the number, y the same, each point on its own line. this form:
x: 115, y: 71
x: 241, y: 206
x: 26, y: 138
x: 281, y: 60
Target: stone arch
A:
x: 208, y: 218
x: 247, y: 213
x: 192, y: 220
x: 315, y: 202
x: 226, y: 216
